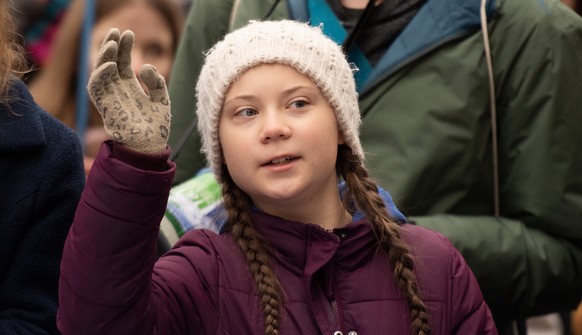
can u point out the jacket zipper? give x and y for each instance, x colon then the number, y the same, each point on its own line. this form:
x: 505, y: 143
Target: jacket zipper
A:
x: 336, y: 314
x: 334, y: 304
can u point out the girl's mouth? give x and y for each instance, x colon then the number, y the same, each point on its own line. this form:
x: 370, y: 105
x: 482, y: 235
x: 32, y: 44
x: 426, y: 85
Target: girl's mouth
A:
x: 281, y: 160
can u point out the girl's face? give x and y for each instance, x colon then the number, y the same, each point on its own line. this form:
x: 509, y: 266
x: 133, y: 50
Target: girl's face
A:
x: 279, y: 138
x: 153, y: 36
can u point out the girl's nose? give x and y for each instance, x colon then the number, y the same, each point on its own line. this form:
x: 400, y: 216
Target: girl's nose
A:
x: 275, y: 127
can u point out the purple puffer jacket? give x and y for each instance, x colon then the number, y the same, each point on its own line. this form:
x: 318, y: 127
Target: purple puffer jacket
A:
x: 112, y: 284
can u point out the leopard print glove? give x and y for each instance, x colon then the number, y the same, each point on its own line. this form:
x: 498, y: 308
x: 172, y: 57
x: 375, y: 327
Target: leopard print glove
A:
x: 134, y: 118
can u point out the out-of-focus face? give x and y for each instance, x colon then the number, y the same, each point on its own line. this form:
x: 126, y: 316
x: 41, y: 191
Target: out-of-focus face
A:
x: 153, y: 36
x: 357, y: 4
x: 570, y: 3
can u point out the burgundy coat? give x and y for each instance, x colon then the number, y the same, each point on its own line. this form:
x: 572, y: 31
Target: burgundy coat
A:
x: 112, y: 284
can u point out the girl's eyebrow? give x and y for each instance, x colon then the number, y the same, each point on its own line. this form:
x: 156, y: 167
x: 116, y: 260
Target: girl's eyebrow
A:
x: 286, y: 92
x: 238, y: 97
x: 299, y: 87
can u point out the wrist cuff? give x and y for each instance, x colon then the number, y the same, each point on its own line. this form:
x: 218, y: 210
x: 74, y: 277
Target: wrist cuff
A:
x: 154, y: 161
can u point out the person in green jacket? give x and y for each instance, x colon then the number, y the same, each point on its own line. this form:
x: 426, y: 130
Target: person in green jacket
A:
x: 472, y: 115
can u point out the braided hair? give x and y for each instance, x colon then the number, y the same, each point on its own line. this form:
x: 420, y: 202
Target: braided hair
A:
x: 255, y: 249
x: 364, y: 191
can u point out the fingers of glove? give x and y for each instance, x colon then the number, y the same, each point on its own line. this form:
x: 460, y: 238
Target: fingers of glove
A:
x: 112, y: 35
x: 101, y: 84
x: 124, y: 55
x: 107, y: 53
x: 155, y: 84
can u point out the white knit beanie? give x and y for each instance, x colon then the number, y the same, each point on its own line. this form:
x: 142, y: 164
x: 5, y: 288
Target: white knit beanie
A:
x: 286, y: 42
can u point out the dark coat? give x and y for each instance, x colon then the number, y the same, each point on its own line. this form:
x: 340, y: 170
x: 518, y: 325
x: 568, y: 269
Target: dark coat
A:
x: 41, y: 180
x: 111, y: 283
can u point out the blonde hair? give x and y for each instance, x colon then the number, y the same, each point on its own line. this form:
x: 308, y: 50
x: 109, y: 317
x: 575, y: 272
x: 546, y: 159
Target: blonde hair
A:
x: 364, y: 193
x: 12, y: 61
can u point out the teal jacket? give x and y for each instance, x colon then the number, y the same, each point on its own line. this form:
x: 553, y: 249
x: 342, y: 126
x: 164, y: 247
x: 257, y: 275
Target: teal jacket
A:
x: 428, y: 137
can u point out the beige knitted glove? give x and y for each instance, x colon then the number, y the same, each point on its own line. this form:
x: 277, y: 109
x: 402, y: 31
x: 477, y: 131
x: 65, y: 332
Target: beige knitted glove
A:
x: 134, y: 119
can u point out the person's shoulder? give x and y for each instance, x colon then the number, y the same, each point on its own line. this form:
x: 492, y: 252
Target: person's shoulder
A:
x: 430, y: 248
x: 61, y: 149
x: 422, y: 237
x: 31, y: 128
x: 437, y: 263
x: 545, y: 16
x: 56, y: 130
x: 24, y: 105
x: 62, y: 143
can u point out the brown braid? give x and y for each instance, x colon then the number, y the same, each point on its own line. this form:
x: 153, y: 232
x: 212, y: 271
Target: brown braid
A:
x: 254, y: 247
x: 364, y: 191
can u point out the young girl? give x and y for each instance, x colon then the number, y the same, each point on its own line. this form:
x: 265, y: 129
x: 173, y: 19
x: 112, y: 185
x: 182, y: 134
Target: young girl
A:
x: 279, y: 118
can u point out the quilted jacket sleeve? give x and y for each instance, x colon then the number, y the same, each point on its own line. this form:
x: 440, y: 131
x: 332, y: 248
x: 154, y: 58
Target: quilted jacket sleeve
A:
x: 108, y: 259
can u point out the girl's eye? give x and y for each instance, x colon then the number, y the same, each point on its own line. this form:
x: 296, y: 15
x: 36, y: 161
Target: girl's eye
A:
x: 153, y: 50
x: 298, y: 104
x: 247, y: 112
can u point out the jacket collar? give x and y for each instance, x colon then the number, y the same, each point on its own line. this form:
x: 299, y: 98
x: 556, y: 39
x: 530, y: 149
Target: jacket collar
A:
x: 437, y: 22
x: 305, y: 248
x: 21, y: 127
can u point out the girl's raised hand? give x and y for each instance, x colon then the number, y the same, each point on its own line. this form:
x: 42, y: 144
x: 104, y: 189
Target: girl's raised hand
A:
x: 134, y: 118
